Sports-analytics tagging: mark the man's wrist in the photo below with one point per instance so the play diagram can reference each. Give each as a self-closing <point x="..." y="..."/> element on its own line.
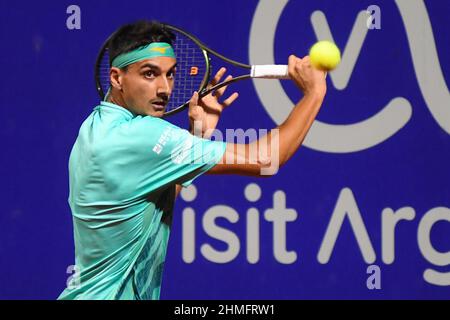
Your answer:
<point x="318" y="88"/>
<point x="316" y="93"/>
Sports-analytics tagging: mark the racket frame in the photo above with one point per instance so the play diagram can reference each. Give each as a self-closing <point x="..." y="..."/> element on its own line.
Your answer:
<point x="202" y="90"/>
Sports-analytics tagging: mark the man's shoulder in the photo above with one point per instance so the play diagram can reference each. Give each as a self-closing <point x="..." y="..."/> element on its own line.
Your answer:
<point x="152" y="127"/>
<point x="150" y="122"/>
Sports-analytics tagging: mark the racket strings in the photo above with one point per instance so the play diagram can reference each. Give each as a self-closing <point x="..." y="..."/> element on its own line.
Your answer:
<point x="191" y="68"/>
<point x="103" y="73"/>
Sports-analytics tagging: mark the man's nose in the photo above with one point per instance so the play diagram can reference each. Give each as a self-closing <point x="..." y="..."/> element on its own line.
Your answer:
<point x="164" y="86"/>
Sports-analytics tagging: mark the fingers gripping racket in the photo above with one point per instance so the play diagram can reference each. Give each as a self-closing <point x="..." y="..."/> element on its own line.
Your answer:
<point x="193" y="70"/>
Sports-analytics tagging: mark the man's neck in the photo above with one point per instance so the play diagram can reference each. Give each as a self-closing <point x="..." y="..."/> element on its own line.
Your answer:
<point x="116" y="99"/>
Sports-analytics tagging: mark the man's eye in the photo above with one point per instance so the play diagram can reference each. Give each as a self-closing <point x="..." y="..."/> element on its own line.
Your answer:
<point x="171" y="74"/>
<point x="149" y="74"/>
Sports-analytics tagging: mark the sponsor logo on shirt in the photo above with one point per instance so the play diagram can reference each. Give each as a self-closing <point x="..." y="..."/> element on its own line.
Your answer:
<point x="162" y="140"/>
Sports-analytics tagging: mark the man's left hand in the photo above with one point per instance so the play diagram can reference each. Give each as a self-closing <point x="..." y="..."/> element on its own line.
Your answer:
<point x="204" y="114"/>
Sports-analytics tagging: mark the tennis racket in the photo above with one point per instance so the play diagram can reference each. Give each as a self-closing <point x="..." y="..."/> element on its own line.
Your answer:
<point x="193" y="70"/>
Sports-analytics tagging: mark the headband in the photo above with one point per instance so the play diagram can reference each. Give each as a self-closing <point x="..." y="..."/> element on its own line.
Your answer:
<point x="152" y="50"/>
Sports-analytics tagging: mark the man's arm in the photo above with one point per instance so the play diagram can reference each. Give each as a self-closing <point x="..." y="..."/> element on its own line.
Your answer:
<point x="264" y="156"/>
<point x="204" y="114"/>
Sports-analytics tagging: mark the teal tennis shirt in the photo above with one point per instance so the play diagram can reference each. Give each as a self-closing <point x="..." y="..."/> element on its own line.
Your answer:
<point x="123" y="170"/>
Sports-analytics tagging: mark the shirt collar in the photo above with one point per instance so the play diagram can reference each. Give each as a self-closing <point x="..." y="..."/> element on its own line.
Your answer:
<point x="128" y="114"/>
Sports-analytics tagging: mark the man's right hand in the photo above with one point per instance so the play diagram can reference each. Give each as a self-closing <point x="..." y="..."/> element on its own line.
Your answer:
<point x="306" y="77"/>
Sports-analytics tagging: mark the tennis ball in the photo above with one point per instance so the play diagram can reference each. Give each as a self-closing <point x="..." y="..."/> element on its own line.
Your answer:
<point x="325" y="55"/>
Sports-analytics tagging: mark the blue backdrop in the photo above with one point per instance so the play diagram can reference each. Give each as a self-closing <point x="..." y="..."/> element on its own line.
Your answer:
<point x="379" y="151"/>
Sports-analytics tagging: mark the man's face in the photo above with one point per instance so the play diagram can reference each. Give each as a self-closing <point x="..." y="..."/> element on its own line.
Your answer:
<point x="147" y="85"/>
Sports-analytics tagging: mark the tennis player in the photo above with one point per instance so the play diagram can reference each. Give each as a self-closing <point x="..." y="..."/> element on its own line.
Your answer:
<point x="128" y="164"/>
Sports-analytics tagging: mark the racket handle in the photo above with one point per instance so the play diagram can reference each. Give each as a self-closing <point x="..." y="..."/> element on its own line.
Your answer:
<point x="273" y="71"/>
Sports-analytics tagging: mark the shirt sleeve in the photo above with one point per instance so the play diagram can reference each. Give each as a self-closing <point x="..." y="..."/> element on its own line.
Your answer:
<point x="148" y="153"/>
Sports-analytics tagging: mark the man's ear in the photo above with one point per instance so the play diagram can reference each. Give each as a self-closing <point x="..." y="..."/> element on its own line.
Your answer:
<point x="115" y="77"/>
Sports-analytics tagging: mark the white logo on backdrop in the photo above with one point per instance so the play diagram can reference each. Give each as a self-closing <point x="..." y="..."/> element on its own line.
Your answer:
<point x="280" y="216"/>
<point x="389" y="120"/>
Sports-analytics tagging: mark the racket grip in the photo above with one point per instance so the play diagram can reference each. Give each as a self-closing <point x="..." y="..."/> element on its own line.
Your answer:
<point x="270" y="71"/>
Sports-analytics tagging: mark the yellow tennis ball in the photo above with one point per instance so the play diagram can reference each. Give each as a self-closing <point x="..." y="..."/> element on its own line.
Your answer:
<point x="325" y="55"/>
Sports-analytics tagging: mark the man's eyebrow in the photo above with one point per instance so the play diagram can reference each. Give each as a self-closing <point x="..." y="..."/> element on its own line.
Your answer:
<point x="153" y="66"/>
<point x="149" y="65"/>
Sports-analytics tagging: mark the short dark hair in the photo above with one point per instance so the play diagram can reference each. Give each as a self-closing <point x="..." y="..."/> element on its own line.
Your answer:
<point x="134" y="35"/>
